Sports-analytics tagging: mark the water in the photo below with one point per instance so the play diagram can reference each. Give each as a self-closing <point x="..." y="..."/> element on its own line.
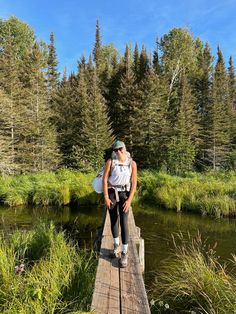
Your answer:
<point x="157" y="227"/>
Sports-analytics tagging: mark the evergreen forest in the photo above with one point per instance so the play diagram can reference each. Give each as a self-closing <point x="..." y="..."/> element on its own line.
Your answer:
<point x="174" y="107"/>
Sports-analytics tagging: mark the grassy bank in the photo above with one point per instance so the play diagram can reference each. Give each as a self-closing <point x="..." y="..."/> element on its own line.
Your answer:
<point x="57" y="276"/>
<point x="211" y="193"/>
<point x="193" y="281"/>
<point x="48" y="188"/>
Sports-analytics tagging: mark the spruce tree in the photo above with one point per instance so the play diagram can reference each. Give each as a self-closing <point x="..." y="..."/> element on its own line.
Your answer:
<point x="37" y="149"/>
<point x="127" y="102"/>
<point x="184" y="139"/>
<point x="52" y="63"/>
<point x="202" y="89"/>
<point x="136" y="61"/>
<point x="7" y="153"/>
<point x="143" y="64"/>
<point x="11" y="87"/>
<point x="152" y="131"/>
<point x="96" y="131"/>
<point x="97" y="51"/>
<point x="218" y="132"/>
<point x="232" y="111"/>
<point x="156" y="61"/>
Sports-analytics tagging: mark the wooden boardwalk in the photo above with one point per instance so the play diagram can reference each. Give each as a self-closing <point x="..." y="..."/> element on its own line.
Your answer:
<point x="119" y="290"/>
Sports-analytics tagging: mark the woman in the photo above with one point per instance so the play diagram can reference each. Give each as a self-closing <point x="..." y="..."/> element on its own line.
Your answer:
<point x="119" y="186"/>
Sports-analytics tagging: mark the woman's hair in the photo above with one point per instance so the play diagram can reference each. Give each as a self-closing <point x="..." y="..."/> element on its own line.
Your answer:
<point x="107" y="153"/>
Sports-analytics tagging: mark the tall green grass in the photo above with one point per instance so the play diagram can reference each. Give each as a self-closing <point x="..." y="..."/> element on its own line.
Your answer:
<point x="208" y="193"/>
<point x="212" y="193"/>
<point x="48" y="188"/>
<point x="58" y="277"/>
<point x="193" y="281"/>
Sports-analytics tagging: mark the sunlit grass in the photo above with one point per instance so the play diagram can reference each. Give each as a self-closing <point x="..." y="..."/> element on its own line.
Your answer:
<point x="207" y="193"/>
<point x="211" y="193"/>
<point x="48" y="188"/>
<point x="58" y="277"/>
<point x="193" y="281"/>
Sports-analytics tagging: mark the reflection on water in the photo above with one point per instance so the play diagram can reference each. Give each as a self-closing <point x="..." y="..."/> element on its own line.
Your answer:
<point x="156" y="225"/>
<point x="82" y="222"/>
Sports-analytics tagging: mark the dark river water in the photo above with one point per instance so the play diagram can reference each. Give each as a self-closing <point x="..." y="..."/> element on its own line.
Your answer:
<point x="157" y="227"/>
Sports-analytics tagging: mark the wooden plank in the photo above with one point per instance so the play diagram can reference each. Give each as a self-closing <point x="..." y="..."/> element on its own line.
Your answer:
<point x="116" y="287"/>
<point x="106" y="296"/>
<point x="133" y="294"/>
<point x="132" y="227"/>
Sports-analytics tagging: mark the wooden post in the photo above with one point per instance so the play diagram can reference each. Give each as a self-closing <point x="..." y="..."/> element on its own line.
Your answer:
<point x="140" y="248"/>
<point x="141" y="254"/>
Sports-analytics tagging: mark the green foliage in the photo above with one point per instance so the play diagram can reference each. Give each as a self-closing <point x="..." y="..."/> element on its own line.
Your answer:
<point x="181" y="155"/>
<point x="209" y="193"/>
<point x="58" y="276"/>
<point x="47" y="188"/>
<point x="155" y="104"/>
<point x="194" y="281"/>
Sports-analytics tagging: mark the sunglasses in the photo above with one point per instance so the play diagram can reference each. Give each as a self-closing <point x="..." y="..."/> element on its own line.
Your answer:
<point x="116" y="149"/>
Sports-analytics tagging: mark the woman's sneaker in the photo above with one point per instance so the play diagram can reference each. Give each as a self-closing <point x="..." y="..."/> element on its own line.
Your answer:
<point x="115" y="252"/>
<point x="123" y="261"/>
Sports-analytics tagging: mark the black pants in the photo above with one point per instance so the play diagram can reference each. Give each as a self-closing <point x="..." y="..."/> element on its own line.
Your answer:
<point x="115" y="211"/>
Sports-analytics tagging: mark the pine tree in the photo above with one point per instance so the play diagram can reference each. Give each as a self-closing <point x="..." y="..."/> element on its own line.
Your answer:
<point x="127" y="103"/>
<point x="232" y="110"/>
<point x="97" y="51"/>
<point x="218" y="133"/>
<point x="188" y="109"/>
<point x="37" y="149"/>
<point x="184" y="140"/>
<point x="136" y="61"/>
<point x="78" y="111"/>
<point x="156" y="61"/>
<point x="152" y="131"/>
<point x="202" y="89"/>
<point x="52" y="72"/>
<point x="96" y="130"/>
<point x="62" y="117"/>
<point x="143" y="64"/>
<point x="11" y="88"/>
<point x="7" y="154"/>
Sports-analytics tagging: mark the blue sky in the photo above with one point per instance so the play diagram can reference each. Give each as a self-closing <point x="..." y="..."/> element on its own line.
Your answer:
<point x="125" y="21"/>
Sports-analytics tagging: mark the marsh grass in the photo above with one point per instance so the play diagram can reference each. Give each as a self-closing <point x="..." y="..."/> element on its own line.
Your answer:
<point x="58" y="188"/>
<point x="193" y="280"/>
<point x="208" y="193"/>
<point x="58" y="278"/>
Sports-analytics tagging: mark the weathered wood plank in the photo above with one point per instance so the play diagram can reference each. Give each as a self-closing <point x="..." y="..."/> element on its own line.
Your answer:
<point x="119" y="290"/>
<point x="132" y="227"/>
<point x="106" y="296"/>
<point x="133" y="294"/>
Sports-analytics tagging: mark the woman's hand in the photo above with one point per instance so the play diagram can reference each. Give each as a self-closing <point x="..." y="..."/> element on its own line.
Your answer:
<point x="108" y="202"/>
<point x="126" y="206"/>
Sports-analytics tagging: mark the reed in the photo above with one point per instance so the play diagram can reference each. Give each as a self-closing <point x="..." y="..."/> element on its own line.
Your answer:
<point x="58" y="276"/>
<point x="193" y="281"/>
<point x="208" y="193"/>
<point x="58" y="188"/>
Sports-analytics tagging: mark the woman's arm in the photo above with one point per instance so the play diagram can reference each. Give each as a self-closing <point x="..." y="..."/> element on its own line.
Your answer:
<point x="127" y="204"/>
<point x="108" y="202"/>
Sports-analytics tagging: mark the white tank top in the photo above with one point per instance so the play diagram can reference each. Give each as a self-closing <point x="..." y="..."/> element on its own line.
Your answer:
<point x="121" y="173"/>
